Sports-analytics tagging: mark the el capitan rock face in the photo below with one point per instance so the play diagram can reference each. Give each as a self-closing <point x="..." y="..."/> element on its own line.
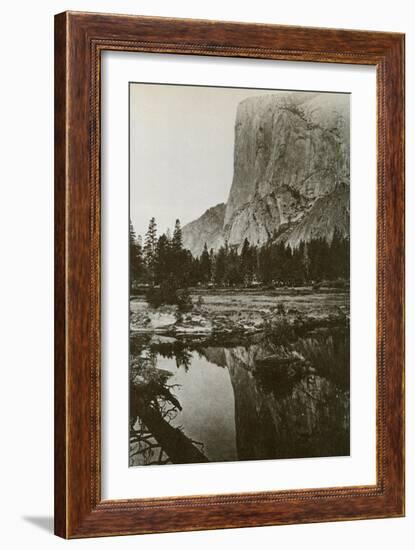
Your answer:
<point x="291" y="173"/>
<point x="274" y="415"/>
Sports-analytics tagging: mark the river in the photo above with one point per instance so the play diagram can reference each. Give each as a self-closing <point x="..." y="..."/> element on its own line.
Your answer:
<point x="273" y="398"/>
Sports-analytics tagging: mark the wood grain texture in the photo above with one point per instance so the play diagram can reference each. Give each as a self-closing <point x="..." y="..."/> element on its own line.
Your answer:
<point x="79" y="40"/>
<point x="60" y="277"/>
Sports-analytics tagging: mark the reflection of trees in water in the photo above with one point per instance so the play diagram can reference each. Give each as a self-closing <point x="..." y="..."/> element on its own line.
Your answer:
<point x="153" y="408"/>
<point x="177" y="350"/>
<point x="291" y="398"/>
<point x="278" y="367"/>
<point x="143" y="446"/>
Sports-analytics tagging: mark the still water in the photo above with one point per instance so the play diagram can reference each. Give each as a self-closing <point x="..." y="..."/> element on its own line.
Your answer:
<point x="267" y="400"/>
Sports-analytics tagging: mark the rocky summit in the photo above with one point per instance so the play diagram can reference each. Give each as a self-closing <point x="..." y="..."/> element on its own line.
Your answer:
<point x="291" y="174"/>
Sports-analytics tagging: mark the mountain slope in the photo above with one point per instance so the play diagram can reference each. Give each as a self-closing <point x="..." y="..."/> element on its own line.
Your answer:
<point x="329" y="213"/>
<point x="206" y="229"/>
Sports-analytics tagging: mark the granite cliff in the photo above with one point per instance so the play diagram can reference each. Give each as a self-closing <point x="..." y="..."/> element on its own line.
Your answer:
<point x="291" y="173"/>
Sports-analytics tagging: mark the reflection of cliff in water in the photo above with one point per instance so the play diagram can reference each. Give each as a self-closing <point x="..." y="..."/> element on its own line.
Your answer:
<point x="289" y="399"/>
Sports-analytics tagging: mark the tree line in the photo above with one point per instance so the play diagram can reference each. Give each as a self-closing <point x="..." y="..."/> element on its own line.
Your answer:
<point x="162" y="260"/>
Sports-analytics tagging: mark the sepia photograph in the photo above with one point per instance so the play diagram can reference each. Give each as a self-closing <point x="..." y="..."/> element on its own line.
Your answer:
<point x="239" y="274"/>
<point x="229" y="273"/>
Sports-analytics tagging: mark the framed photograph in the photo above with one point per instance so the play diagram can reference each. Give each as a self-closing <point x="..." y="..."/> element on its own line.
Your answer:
<point x="229" y="275"/>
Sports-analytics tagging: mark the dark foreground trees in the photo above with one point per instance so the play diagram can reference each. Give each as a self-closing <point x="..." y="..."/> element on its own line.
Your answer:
<point x="164" y="265"/>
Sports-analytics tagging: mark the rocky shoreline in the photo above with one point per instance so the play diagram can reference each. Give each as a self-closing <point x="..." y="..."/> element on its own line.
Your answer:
<point x="225" y="318"/>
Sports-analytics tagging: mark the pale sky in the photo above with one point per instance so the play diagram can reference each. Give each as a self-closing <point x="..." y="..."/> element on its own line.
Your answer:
<point x="181" y="150"/>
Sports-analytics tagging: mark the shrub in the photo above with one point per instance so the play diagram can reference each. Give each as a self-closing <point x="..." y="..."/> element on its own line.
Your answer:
<point x="281" y="309"/>
<point x="168" y="294"/>
<point x="164" y="294"/>
<point x="183" y="299"/>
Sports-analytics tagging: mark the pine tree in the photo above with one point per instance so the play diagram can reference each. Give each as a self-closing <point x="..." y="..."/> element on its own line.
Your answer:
<point x="177" y="257"/>
<point x="346" y="258"/>
<point x="141" y="266"/>
<point x="247" y="263"/>
<point x="205" y="265"/>
<point x="212" y="258"/>
<point x="265" y="264"/>
<point x="234" y="274"/>
<point x="162" y="263"/>
<point x="336" y="260"/>
<point x="150" y="248"/>
<point x="297" y="265"/>
<point x="136" y="257"/>
<point x="306" y="260"/>
<point x="177" y="241"/>
<point x="220" y="266"/>
<point x="186" y="261"/>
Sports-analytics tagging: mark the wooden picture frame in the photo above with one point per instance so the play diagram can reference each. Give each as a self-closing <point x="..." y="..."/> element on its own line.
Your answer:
<point x="79" y="40"/>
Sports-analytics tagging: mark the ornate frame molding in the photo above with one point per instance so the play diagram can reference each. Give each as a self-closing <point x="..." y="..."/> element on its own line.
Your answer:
<point x="79" y="40"/>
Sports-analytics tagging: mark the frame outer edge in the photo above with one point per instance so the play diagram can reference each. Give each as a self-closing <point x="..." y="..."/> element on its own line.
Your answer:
<point x="403" y="293"/>
<point x="76" y="512"/>
<point x="60" y="294"/>
<point x="396" y="269"/>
